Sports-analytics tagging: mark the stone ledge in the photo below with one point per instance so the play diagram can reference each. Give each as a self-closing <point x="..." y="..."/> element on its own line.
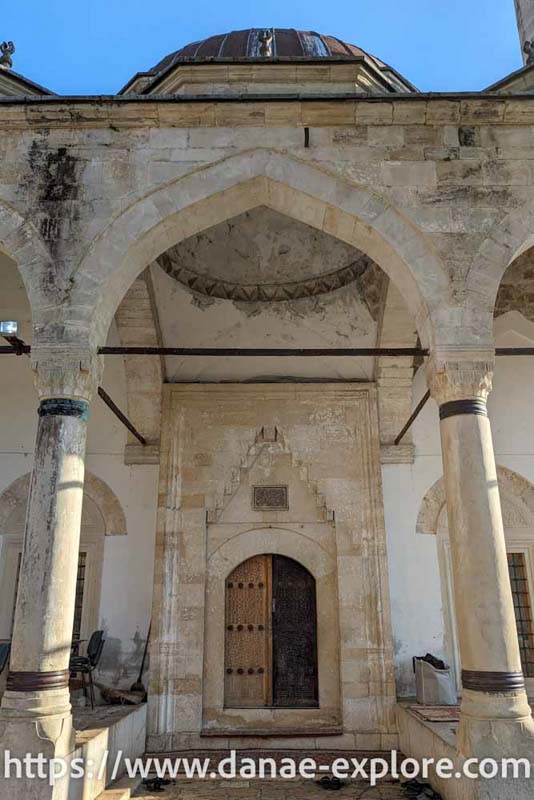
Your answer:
<point x="135" y="454"/>
<point x="397" y="454"/>
<point x="268" y="111"/>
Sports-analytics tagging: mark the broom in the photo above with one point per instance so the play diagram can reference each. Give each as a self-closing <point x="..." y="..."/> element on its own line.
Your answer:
<point x="139" y="686"/>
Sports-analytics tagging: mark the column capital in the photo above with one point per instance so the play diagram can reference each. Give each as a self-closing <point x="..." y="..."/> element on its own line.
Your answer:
<point x="66" y="370"/>
<point x="460" y="375"/>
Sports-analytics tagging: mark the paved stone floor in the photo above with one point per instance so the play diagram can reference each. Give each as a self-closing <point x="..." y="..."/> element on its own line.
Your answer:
<point x="184" y="789"/>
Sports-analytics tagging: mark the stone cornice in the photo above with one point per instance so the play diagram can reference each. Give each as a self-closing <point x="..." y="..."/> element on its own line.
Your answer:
<point x="270" y="111"/>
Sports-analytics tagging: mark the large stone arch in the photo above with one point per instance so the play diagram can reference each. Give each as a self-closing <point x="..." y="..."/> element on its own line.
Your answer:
<point x="96" y="489"/>
<point x="517" y="497"/>
<point x="212" y="194"/>
<point x="20" y="241"/>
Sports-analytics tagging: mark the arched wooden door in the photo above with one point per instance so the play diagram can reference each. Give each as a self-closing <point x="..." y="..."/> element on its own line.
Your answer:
<point x="271" y="635"/>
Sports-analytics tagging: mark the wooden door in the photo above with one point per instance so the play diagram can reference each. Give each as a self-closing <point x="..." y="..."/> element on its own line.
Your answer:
<point x="271" y="635"/>
<point x="248" y="635"/>
<point x="294" y="627"/>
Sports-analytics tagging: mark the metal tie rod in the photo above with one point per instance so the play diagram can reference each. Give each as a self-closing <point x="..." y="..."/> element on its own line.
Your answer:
<point x="276" y="352"/>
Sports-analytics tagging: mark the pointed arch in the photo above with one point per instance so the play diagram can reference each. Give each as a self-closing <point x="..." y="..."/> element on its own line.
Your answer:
<point x="211" y="194"/>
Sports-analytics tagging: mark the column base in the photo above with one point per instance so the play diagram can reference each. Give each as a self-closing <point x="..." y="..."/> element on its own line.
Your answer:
<point x="35" y="724"/>
<point x="496" y="726"/>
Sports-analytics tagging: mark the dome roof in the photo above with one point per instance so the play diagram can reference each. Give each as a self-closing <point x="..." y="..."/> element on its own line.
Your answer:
<point x="267" y="45"/>
<point x="282" y="43"/>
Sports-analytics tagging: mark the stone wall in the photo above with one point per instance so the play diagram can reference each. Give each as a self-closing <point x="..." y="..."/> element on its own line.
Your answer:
<point x="323" y="443"/>
<point x="455" y="172"/>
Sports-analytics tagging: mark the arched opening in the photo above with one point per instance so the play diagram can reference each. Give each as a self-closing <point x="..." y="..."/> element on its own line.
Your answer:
<point x="517" y="501"/>
<point x="514" y="305"/>
<point x="18" y="394"/>
<point x="102" y="515"/>
<point x="241" y="183"/>
<point x="89" y="576"/>
<point x="271" y="635"/>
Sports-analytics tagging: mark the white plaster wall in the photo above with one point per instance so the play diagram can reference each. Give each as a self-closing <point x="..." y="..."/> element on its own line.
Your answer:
<point x="415" y="590"/>
<point x="417" y="613"/>
<point x="126" y="593"/>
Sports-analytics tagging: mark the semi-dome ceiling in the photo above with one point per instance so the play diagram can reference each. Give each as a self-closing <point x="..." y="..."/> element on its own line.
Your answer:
<point x="262" y="255"/>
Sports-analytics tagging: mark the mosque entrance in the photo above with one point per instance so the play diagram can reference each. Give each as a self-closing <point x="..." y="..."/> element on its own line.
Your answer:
<point x="271" y="635"/>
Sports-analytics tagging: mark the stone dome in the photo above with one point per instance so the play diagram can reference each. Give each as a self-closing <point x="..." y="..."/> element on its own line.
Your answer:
<point x="278" y="46"/>
<point x="285" y="43"/>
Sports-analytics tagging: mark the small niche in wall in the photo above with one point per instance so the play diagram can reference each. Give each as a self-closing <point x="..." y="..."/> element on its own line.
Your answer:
<point x="270" y="498"/>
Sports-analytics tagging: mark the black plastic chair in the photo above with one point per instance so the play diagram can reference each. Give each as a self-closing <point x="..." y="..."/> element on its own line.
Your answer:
<point x="87" y="664"/>
<point x="5" y="650"/>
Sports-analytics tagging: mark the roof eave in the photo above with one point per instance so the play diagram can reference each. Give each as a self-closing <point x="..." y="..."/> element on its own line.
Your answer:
<point x="364" y="59"/>
<point x="509" y="78"/>
<point x="36" y="88"/>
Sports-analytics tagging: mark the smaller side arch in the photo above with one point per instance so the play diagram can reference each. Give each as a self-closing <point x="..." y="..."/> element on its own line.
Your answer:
<point x="95" y="488"/>
<point x="513" y="486"/>
<point x="432" y="503"/>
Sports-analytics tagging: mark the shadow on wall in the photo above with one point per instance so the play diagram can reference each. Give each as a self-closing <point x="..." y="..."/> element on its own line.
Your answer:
<point x="121" y="660"/>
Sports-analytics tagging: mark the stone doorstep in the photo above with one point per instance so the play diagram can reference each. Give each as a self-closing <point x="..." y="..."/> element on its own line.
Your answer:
<point x="319" y="756"/>
<point x="268" y="789"/>
<point x="269" y="733"/>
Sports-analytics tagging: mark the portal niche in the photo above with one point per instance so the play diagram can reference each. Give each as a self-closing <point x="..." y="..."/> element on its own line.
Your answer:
<point x="271" y="635"/>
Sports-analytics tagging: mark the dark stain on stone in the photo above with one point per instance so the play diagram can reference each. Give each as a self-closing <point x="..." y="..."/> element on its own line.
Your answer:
<point x="55" y="171"/>
<point x="467" y="136"/>
<point x="492" y="197"/>
<point x="54" y="179"/>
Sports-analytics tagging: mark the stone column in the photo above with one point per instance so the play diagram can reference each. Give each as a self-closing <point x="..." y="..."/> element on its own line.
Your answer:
<point x="35" y="716"/>
<point x="495" y="713"/>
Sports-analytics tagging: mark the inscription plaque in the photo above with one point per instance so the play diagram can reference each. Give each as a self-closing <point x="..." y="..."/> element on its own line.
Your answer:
<point x="270" y="498"/>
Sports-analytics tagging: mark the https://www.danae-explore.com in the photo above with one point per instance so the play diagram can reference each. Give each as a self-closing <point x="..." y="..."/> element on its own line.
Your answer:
<point x="238" y="766"/>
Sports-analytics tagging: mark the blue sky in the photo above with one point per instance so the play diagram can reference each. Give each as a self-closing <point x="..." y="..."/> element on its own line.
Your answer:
<point x="94" y="47"/>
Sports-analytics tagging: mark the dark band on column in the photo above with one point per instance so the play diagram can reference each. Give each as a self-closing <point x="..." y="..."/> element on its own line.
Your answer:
<point x="455" y="407"/>
<point x="493" y="682"/>
<point x="64" y="407"/>
<point x="37" y="681"/>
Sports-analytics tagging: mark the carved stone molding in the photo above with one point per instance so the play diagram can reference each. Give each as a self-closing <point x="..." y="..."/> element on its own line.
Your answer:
<point x="263" y="292"/>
